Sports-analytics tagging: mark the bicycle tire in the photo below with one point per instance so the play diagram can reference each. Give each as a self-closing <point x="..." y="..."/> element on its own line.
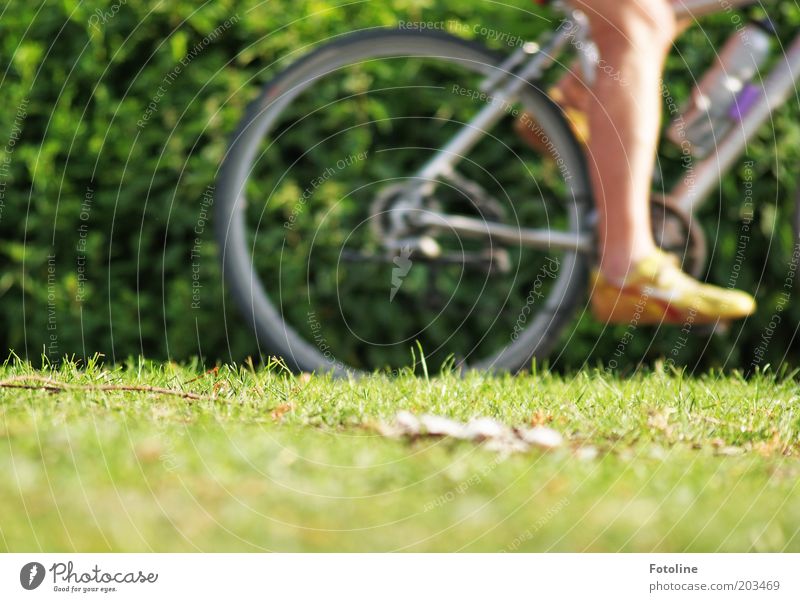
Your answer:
<point x="273" y="334"/>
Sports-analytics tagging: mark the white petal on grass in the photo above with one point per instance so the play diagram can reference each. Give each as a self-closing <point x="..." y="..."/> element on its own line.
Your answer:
<point x="389" y="430"/>
<point x="407" y="422"/>
<point x="586" y="454"/>
<point x="506" y="446"/>
<point x="442" y="427"/>
<point x="480" y="429"/>
<point x="494" y="435"/>
<point x="730" y="451"/>
<point x="542" y="436"/>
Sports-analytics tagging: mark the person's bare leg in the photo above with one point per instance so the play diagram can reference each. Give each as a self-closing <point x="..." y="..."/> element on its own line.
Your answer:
<point x="574" y="93"/>
<point x="633" y="39"/>
<point x="635" y="283"/>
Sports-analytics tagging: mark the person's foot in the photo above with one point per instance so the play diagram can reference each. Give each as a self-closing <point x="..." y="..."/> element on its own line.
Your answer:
<point x="532" y="134"/>
<point x="656" y="291"/>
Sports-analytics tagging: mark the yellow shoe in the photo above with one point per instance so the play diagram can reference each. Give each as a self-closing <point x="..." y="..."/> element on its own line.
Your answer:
<point x="531" y="132"/>
<point x="578" y="119"/>
<point x="657" y="291"/>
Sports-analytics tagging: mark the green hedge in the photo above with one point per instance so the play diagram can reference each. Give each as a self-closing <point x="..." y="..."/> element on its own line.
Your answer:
<point x="116" y="116"/>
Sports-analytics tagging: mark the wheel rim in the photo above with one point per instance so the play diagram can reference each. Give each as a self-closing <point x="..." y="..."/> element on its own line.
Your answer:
<point x="364" y="324"/>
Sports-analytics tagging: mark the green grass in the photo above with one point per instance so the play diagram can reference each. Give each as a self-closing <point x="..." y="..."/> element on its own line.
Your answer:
<point x="284" y="463"/>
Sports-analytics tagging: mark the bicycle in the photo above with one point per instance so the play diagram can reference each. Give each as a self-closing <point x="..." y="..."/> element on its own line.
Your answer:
<point x="482" y="266"/>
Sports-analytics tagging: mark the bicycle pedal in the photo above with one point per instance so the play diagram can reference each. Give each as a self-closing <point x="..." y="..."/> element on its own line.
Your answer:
<point x="498" y="261"/>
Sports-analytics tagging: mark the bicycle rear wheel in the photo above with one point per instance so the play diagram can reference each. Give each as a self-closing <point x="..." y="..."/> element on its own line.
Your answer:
<point x="305" y="190"/>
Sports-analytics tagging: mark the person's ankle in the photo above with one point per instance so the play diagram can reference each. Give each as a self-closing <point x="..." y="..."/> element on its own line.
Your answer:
<point x="616" y="268"/>
<point x="614" y="272"/>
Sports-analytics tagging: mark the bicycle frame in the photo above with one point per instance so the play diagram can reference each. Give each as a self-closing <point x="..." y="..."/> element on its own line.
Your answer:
<point x="777" y="88"/>
<point x="529" y="62"/>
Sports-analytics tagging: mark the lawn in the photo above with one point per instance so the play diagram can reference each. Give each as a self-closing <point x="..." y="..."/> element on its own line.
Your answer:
<point x="258" y="459"/>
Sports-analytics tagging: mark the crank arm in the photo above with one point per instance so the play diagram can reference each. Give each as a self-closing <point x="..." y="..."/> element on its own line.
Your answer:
<point x="497" y="260"/>
<point x="534" y="238"/>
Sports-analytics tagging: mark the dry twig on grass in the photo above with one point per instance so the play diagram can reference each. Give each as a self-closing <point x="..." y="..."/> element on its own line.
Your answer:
<point x="54" y="386"/>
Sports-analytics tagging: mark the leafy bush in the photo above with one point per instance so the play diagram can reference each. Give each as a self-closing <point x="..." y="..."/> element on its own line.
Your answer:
<point x="116" y="118"/>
